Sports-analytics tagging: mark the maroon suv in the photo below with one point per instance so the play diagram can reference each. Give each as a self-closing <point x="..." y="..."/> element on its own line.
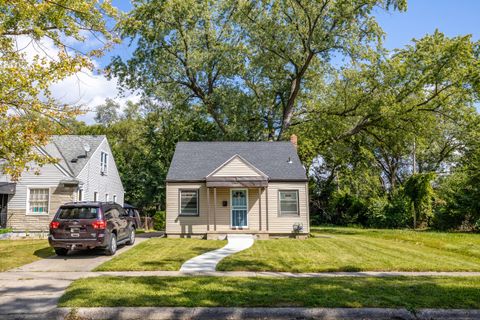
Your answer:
<point x="89" y="225"/>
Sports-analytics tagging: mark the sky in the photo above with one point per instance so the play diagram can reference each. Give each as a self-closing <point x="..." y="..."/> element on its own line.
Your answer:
<point x="452" y="17"/>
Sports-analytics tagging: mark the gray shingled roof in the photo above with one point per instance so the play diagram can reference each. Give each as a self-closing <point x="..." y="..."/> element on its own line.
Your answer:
<point x="68" y="147"/>
<point x="193" y="161"/>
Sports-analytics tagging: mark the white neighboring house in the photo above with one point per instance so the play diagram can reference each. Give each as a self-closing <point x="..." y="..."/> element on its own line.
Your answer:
<point x="85" y="171"/>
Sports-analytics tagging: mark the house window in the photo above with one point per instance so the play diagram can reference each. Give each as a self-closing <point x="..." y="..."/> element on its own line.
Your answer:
<point x="95" y="196"/>
<point x="189" y="202"/>
<point x="114" y="198"/>
<point x="38" y="200"/>
<point x="107" y="197"/>
<point x="103" y="162"/>
<point x="80" y="194"/>
<point x="288" y="202"/>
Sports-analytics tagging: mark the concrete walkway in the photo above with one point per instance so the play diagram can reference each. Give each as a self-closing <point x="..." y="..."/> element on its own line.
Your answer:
<point x="36" y="287"/>
<point x="207" y="262"/>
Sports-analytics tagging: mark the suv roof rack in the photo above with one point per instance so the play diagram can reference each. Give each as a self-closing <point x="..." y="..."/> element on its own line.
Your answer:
<point x="90" y="202"/>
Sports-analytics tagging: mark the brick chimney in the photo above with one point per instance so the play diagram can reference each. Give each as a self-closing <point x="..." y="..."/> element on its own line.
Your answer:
<point x="294" y="140"/>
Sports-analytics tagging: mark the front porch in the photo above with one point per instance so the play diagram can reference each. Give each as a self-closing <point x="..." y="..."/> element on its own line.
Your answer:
<point x="235" y="208"/>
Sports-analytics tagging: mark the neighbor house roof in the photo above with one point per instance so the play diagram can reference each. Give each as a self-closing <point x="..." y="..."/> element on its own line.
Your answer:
<point x="69" y="147"/>
<point x="193" y="161"/>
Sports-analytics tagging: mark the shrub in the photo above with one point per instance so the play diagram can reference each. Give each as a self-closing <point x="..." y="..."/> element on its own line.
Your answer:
<point x="384" y="212"/>
<point x="418" y="189"/>
<point x="455" y="204"/>
<point x="346" y="209"/>
<point x="7" y="230"/>
<point x="377" y="212"/>
<point x="159" y="220"/>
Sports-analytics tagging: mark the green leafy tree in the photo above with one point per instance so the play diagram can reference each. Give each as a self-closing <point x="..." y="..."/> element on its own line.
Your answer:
<point x="419" y="190"/>
<point x="246" y="64"/>
<point x="107" y="113"/>
<point x="458" y="204"/>
<point x="373" y="117"/>
<point x="28" y="112"/>
<point x="424" y="83"/>
<point x="143" y="142"/>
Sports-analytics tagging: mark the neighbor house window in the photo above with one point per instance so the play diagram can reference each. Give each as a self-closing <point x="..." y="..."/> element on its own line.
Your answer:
<point x="288" y="202"/>
<point x="107" y="197"/>
<point x="38" y="200"/>
<point x="103" y="162"/>
<point x="95" y="196"/>
<point x="80" y="194"/>
<point x="189" y="202"/>
<point x="114" y="198"/>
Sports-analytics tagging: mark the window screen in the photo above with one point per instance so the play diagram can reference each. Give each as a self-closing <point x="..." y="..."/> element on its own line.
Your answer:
<point x="189" y="202"/>
<point x="38" y="200"/>
<point x="103" y="162"/>
<point x="288" y="202"/>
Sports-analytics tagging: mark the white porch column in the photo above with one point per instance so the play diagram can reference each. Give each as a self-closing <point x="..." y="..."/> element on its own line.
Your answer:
<point x="208" y="209"/>
<point x="266" y="207"/>
<point x="260" y="209"/>
<point x="215" y="209"/>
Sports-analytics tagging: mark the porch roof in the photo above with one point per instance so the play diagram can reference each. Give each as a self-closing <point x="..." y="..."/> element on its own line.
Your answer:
<point x="7" y="187"/>
<point x="231" y="182"/>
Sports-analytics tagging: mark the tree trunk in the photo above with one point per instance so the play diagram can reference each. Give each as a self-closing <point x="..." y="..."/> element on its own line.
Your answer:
<point x="294" y="90"/>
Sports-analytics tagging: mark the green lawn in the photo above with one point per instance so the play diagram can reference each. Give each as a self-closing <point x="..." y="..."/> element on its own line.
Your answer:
<point x="15" y="253"/>
<point x="351" y="249"/>
<point x="422" y="292"/>
<point x="160" y="254"/>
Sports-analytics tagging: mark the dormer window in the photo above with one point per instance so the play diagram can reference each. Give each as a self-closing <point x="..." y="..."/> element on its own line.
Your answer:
<point x="103" y="162"/>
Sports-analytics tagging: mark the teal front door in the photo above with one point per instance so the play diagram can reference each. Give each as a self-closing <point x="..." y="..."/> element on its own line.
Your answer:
<point x="239" y="201"/>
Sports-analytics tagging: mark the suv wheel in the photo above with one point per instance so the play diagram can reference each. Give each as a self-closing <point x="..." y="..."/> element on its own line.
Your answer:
<point x="131" y="237"/>
<point x="112" y="245"/>
<point x="61" y="251"/>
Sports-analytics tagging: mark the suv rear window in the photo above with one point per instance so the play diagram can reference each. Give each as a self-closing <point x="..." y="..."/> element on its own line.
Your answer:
<point x="78" y="213"/>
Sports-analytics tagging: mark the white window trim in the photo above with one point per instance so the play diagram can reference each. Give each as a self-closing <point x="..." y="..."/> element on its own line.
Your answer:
<point x="231" y="208"/>
<point x="27" y="209"/>
<point x="280" y="214"/>
<point x="81" y="192"/>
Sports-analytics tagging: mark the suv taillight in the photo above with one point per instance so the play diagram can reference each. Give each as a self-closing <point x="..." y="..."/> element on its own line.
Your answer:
<point x="99" y="224"/>
<point x="54" y="225"/>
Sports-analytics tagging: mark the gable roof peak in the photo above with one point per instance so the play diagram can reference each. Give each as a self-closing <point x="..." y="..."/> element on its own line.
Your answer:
<point x="72" y="149"/>
<point x="237" y="156"/>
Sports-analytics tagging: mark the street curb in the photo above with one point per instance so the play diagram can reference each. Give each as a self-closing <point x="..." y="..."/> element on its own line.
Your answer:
<point x="147" y="313"/>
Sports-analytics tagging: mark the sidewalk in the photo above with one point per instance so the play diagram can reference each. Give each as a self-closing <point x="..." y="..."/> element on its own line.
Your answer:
<point x="29" y="289"/>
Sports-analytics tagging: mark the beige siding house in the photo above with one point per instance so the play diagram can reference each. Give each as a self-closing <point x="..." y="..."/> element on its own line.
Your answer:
<point x="220" y="188"/>
<point x="85" y="171"/>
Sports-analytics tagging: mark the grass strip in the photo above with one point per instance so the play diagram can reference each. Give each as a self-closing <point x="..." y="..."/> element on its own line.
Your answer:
<point x="15" y="253"/>
<point x="408" y="292"/>
<point x="160" y="254"/>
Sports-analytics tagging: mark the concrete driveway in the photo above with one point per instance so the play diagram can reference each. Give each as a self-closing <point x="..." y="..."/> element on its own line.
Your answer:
<point x="34" y="289"/>
<point x="75" y="261"/>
